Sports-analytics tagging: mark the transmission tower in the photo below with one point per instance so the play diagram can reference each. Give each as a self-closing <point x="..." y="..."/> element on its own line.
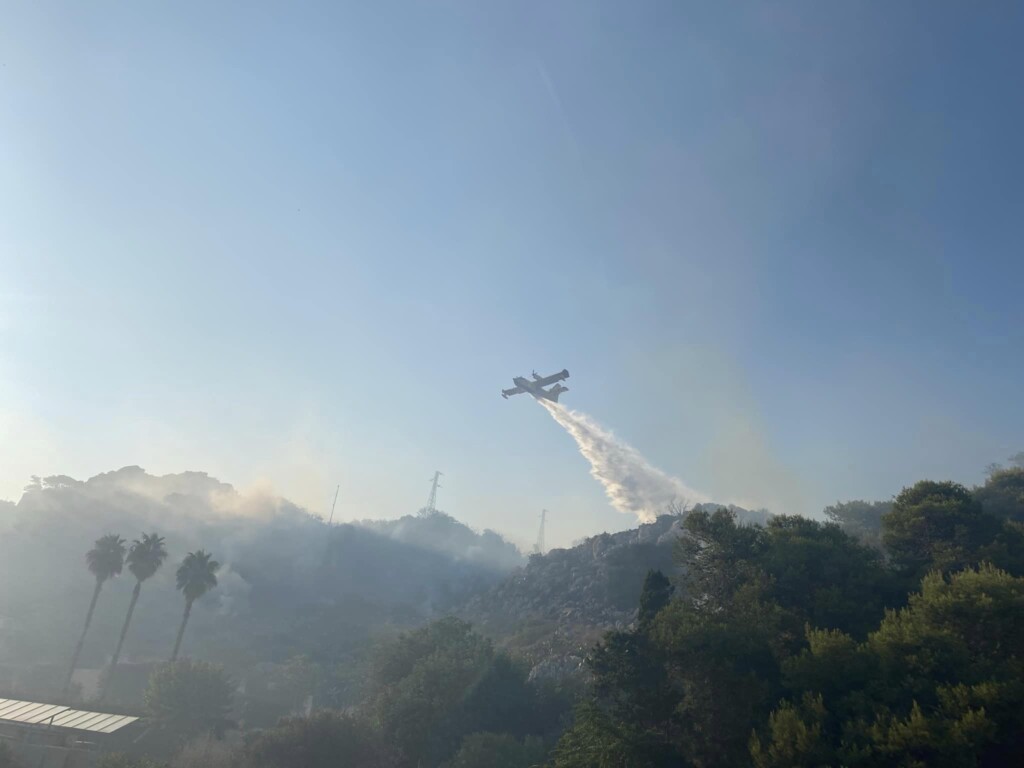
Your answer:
<point x="330" y="520"/>
<point x="435" y="483"/>
<point x="329" y="548"/>
<point x="538" y="548"/>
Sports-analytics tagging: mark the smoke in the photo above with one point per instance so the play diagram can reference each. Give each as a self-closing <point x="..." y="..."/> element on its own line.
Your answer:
<point x="631" y="483"/>
<point x="279" y="566"/>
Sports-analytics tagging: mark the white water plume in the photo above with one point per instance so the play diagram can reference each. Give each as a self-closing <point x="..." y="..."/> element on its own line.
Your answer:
<point x="631" y="483"/>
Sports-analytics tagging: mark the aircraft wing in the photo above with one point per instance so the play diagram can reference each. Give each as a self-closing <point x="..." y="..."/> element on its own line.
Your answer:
<point x="543" y="382"/>
<point x="513" y="391"/>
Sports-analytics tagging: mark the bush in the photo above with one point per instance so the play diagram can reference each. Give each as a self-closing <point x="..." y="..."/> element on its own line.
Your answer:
<point x="190" y="697"/>
<point x="206" y="752"/>
<point x="326" y="739"/>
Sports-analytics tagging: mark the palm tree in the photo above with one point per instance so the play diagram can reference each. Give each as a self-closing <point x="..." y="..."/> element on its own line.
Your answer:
<point x="197" y="574"/>
<point x="105" y="561"/>
<point x="145" y="556"/>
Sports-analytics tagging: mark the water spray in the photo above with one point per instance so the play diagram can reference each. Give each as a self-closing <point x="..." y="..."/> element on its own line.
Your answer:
<point x="630" y="482"/>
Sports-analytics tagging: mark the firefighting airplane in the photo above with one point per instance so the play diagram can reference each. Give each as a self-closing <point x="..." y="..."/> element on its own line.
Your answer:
<point x="536" y="387"/>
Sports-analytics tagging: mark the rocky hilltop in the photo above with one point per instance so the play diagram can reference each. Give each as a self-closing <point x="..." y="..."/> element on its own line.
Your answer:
<point x="553" y="608"/>
<point x="557" y="605"/>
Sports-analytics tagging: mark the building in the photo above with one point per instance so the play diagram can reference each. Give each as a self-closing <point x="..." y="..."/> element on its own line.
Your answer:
<point x="56" y="736"/>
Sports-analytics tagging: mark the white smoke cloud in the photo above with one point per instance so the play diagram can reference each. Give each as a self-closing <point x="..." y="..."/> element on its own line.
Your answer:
<point x="232" y="592"/>
<point x="631" y="483"/>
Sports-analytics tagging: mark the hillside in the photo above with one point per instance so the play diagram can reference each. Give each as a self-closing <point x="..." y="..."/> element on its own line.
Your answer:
<point x="552" y="609"/>
<point x="288" y="583"/>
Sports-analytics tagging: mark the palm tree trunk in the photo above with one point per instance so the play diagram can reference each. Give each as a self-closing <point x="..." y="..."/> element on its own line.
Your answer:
<point x="81" y="640"/>
<point x="120" y="640"/>
<point x="181" y="630"/>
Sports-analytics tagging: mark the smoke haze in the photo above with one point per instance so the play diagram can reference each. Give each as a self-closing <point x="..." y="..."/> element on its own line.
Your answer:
<point x="630" y="482"/>
<point x="280" y="567"/>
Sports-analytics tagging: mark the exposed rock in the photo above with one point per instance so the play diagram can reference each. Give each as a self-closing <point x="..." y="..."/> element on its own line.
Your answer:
<point x="552" y="610"/>
<point x="557" y="668"/>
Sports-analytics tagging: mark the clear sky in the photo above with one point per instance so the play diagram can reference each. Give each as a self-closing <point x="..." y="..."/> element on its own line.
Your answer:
<point x="777" y="245"/>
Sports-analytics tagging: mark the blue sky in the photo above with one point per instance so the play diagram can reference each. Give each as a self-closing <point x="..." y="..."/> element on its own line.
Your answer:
<point x="298" y="245"/>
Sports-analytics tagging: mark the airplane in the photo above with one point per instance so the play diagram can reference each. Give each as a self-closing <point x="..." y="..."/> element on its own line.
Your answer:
<point x="536" y="387"/>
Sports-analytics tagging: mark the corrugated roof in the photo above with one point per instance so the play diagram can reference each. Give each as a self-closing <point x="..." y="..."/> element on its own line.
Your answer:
<point x="58" y="716"/>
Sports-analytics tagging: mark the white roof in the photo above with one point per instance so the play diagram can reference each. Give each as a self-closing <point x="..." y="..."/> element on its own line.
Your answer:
<point x="59" y="716"/>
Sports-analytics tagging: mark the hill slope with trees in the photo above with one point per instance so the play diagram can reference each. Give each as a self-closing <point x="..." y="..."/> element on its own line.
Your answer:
<point x="888" y="635"/>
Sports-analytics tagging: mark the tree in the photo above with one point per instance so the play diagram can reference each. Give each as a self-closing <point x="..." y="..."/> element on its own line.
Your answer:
<point x="942" y="526"/>
<point x="497" y="750"/>
<point x="683" y="688"/>
<point x="861" y="519"/>
<point x="597" y="740"/>
<point x="795" y="737"/>
<point x="196" y="576"/>
<point x="105" y="561"/>
<point x="719" y="555"/>
<point x="145" y="556"/>
<point x="1002" y="494"/>
<point x="725" y="666"/>
<point x="190" y="697"/>
<point x="325" y="739"/>
<point x="433" y="686"/>
<point x="814" y="571"/>
<point x="939" y="683"/>
<point x="296" y="680"/>
<point x="700" y="670"/>
<point x="207" y="751"/>
<point x="281" y="691"/>
<point x="823" y="576"/>
<point x="656" y="594"/>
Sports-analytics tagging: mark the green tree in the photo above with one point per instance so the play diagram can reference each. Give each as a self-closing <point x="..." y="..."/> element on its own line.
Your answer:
<point x="719" y="555"/>
<point x="685" y="689"/>
<point x="433" y="686"/>
<point x="702" y="670"/>
<point x="630" y="683"/>
<point x="656" y="594"/>
<point x="597" y="740"/>
<point x="190" y="697"/>
<point x="725" y="665"/>
<point x="940" y="683"/>
<point x="942" y="526"/>
<point x="795" y="737"/>
<point x="860" y="519"/>
<point x="326" y="739"/>
<point x="825" y="577"/>
<point x="1002" y="494"/>
<point x="145" y="556"/>
<point x="196" y="576"/>
<point x="105" y="561"/>
<point x="814" y="571"/>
